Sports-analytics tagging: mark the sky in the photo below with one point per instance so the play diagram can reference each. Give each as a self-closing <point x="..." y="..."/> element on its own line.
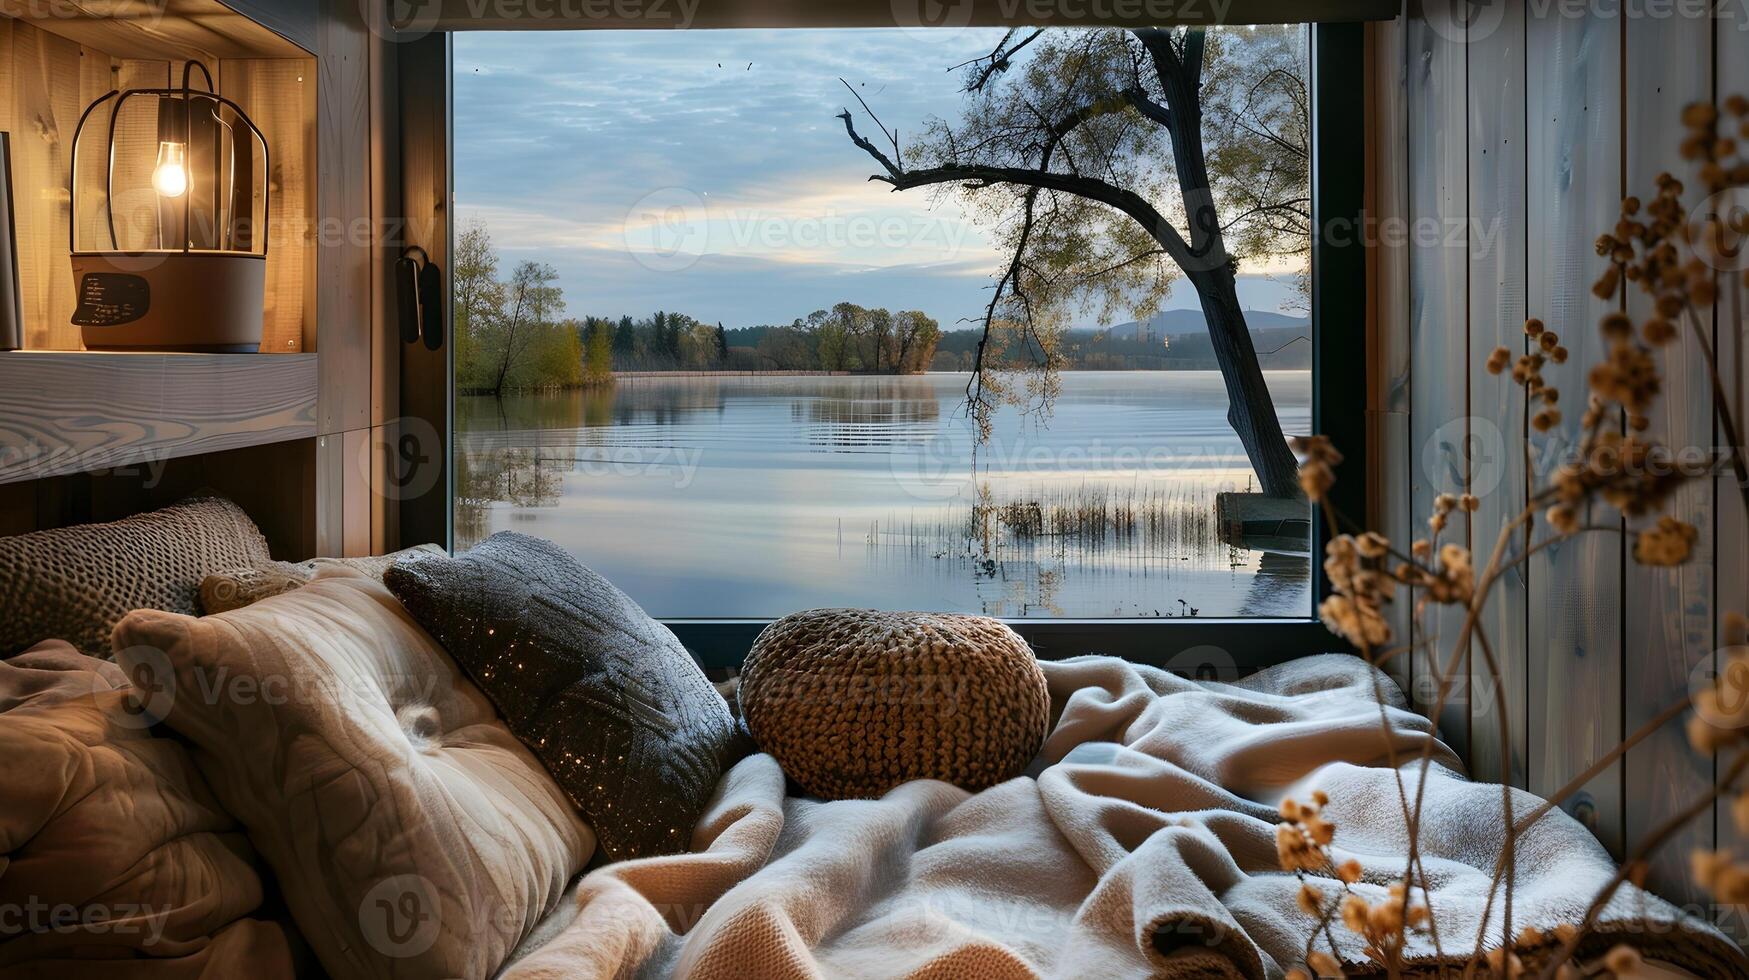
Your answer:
<point x="707" y="173"/>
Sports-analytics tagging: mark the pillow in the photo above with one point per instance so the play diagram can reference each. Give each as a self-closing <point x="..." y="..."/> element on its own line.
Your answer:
<point x="74" y="583"/>
<point x="602" y="693"/>
<point x="411" y="834"/>
<point x="852" y="702"/>
<point x="234" y="588"/>
<point x="111" y="844"/>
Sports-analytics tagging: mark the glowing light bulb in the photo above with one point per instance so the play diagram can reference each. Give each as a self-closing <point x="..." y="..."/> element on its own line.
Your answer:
<point x="170" y="176"/>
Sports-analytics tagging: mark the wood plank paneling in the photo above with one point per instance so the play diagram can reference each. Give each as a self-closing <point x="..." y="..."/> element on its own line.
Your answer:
<point x="154" y="407"/>
<point x="98" y="74"/>
<point x="294" y="20"/>
<point x="44" y="93"/>
<point x="386" y="208"/>
<point x="1731" y="582"/>
<point x="1438" y="315"/>
<point x="343" y="260"/>
<point x="1595" y="97"/>
<point x="1498" y="229"/>
<point x="1389" y="398"/>
<point x="424" y="496"/>
<point x="1669" y="625"/>
<point x="280" y="97"/>
<point x="160" y="30"/>
<point x="1573" y="190"/>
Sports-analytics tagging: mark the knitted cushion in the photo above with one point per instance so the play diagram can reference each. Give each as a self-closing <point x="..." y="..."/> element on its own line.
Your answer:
<point x="75" y="583"/>
<point x="235" y="588"/>
<point x="604" y="696"/>
<point x="852" y="702"/>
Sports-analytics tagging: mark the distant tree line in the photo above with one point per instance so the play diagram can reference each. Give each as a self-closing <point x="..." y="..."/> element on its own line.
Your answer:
<point x="512" y="334"/>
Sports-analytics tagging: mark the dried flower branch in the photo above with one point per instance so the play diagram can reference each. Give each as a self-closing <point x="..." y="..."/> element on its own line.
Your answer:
<point x="1674" y="257"/>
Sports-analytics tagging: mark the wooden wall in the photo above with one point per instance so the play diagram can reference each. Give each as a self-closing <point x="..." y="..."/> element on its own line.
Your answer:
<point x="1501" y="149"/>
<point x="331" y="119"/>
<point x="47" y="80"/>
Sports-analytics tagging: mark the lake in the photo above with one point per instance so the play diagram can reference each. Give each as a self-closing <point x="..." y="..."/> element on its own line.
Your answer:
<point x="756" y="496"/>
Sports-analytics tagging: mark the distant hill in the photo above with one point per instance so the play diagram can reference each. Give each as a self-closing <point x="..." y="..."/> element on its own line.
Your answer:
<point x="1171" y="340"/>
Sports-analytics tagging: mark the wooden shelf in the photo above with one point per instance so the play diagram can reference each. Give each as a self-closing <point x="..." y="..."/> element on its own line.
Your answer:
<point x="78" y="411"/>
<point x="171" y="30"/>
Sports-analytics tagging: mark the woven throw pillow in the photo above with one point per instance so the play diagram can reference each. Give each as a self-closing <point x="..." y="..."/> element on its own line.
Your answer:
<point x="74" y="583"/>
<point x="603" y="694"/>
<point x="852" y="702"/>
<point x="410" y="833"/>
<point x="235" y="588"/>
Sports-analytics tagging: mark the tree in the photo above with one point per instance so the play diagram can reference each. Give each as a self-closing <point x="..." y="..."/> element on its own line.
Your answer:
<point x="532" y="301"/>
<point x="698" y="346"/>
<point x="625" y="339"/>
<point x="915" y="336"/>
<point x="598" y="353"/>
<point x="1084" y="158"/>
<point x="722" y="344"/>
<point x="478" y="298"/>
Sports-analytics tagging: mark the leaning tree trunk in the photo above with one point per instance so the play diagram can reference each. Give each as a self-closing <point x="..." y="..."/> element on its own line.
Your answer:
<point x="1251" y="410"/>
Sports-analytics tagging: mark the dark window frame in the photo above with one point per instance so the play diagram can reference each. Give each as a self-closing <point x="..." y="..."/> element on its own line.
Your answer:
<point x="1231" y="647"/>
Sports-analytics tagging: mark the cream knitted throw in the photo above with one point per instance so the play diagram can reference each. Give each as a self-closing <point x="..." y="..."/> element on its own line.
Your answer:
<point x="1141" y="843"/>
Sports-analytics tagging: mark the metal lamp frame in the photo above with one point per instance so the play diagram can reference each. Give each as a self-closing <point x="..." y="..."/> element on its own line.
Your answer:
<point x="187" y="93"/>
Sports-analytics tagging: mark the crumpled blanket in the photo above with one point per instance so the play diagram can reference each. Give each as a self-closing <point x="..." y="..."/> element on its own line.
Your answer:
<point x="1140" y="843"/>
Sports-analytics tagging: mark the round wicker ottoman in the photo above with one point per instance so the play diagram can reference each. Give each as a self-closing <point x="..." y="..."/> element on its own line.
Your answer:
<point x="852" y="702"/>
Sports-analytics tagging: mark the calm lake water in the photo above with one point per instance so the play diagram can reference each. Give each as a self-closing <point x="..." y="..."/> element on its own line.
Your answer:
<point x="760" y="496"/>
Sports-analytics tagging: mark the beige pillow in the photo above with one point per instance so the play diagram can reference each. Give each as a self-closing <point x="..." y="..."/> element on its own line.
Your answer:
<point x="73" y="583"/>
<point x="111" y="844"/>
<point x="234" y="588"/>
<point x="412" y="835"/>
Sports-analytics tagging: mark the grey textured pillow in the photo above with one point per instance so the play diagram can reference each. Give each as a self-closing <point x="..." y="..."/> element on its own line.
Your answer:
<point x="76" y="583"/>
<point x="603" y="695"/>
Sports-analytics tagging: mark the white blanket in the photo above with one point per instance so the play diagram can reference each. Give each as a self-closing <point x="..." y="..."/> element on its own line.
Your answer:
<point x="1140" y="843"/>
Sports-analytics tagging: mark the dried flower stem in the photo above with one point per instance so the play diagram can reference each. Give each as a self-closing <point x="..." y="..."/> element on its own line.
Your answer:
<point x="1649" y="844"/>
<point x="1509" y="865"/>
<point x="1721" y="405"/>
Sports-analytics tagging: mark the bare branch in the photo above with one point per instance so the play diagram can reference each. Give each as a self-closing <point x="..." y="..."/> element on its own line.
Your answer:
<point x="997" y="61"/>
<point x="980" y="176"/>
<point x="893" y="136"/>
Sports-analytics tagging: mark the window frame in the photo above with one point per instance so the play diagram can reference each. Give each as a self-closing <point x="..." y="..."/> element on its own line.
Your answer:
<point x="1212" y="647"/>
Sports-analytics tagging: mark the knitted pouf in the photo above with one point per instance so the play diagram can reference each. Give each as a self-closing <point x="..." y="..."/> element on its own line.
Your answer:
<point x="852" y="702"/>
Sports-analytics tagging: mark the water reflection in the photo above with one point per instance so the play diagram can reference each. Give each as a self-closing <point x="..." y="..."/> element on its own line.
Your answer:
<point x="757" y="496"/>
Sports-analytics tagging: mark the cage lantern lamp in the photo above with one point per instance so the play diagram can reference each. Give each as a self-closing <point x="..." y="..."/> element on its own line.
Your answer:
<point x="172" y="254"/>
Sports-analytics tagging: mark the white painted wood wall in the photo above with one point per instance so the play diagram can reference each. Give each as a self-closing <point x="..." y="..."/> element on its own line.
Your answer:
<point x="1504" y="146"/>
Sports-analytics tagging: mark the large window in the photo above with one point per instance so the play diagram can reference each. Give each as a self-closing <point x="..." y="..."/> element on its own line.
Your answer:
<point x="699" y="347"/>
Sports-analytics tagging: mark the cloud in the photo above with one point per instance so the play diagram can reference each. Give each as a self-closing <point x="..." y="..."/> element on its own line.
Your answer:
<point x="589" y="150"/>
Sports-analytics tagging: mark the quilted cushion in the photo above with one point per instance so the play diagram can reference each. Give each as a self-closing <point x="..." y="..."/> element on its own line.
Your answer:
<point x="852" y="702"/>
<point x="411" y="834"/>
<point x="74" y="583"/>
<point x="111" y="844"/>
<point x="603" y="694"/>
